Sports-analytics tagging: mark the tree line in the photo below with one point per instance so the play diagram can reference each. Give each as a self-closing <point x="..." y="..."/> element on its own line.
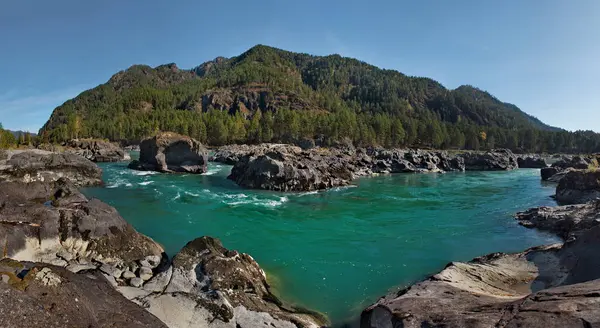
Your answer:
<point x="217" y="127"/>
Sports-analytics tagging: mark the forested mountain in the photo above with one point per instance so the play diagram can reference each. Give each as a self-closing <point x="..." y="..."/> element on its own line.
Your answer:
<point x="267" y="94"/>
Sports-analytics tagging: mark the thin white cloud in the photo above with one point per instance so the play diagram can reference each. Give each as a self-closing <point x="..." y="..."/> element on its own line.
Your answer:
<point x="27" y="110"/>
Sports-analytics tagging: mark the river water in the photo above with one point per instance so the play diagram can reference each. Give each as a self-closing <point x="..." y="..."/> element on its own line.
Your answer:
<point x="336" y="251"/>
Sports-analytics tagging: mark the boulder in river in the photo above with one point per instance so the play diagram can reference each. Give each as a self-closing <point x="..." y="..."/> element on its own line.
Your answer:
<point x="531" y="162"/>
<point x="97" y="150"/>
<point x="208" y="285"/>
<point x="231" y="154"/>
<point x="578" y="186"/>
<point x="495" y="160"/>
<point x="171" y="152"/>
<point x="290" y="169"/>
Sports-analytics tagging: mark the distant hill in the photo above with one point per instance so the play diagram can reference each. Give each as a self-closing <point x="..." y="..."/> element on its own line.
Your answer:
<point x="268" y="94"/>
<point x="19" y="132"/>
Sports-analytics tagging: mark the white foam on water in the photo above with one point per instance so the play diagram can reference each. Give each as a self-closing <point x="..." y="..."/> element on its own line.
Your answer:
<point x="212" y="171"/>
<point x="177" y="197"/>
<point x="128" y="185"/>
<point x="144" y="173"/>
<point x="145" y="183"/>
<point x="314" y="192"/>
<point x="192" y="194"/>
<point x="245" y="200"/>
<point x="342" y="188"/>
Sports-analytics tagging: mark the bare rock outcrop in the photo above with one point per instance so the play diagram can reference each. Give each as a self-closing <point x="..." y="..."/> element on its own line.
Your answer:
<point x="495" y="160"/>
<point x="44" y="166"/>
<point x="566" y="221"/>
<point x="42" y="295"/>
<point x="208" y="285"/>
<point x="578" y="187"/>
<point x="549" y="286"/>
<point x="97" y="150"/>
<point x="171" y="152"/>
<point x="532" y="161"/>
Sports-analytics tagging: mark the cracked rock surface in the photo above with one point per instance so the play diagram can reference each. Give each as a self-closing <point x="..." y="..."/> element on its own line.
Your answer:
<point x="545" y="287"/>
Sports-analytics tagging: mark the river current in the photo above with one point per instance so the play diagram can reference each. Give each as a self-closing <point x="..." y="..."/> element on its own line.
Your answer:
<point x="336" y="251"/>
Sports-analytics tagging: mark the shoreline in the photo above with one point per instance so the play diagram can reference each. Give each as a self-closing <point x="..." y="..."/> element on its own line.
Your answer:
<point x="482" y="259"/>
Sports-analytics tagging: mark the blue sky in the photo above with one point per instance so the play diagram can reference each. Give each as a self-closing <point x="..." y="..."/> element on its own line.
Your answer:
<point x="541" y="55"/>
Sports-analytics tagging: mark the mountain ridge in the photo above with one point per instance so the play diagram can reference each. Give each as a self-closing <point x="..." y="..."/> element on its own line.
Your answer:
<point x="277" y="81"/>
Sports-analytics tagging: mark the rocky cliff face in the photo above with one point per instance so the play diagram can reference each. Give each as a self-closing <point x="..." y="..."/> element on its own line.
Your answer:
<point x="171" y="152"/>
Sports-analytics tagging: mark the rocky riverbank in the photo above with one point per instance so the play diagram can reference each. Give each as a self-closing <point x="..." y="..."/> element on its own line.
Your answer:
<point x="547" y="286"/>
<point x="59" y="245"/>
<point x="291" y="168"/>
<point x="97" y="150"/>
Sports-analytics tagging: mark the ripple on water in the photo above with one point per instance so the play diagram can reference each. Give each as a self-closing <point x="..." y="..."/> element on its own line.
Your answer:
<point x="336" y="251"/>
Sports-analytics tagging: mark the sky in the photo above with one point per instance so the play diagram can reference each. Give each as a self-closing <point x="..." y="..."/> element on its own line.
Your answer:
<point x="541" y="55"/>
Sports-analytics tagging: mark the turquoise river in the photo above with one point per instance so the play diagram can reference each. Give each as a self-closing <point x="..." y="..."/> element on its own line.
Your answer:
<point x="336" y="251"/>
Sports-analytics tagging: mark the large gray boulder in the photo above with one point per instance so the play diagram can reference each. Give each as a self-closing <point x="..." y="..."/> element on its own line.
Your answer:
<point x="531" y="162"/>
<point x="44" y="166"/>
<point x="292" y="169"/>
<point x="41" y="295"/>
<point x="495" y="160"/>
<point x="578" y="187"/>
<point x="208" y="285"/>
<point x="97" y="150"/>
<point x="171" y="152"/>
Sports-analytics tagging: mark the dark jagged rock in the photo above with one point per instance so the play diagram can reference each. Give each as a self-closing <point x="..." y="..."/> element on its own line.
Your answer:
<point x="565" y="221"/>
<point x="41" y="295"/>
<point x="211" y="286"/>
<point x="171" y="152"/>
<point x="418" y="160"/>
<point x="289" y="169"/>
<point x="566" y="164"/>
<point x="578" y="186"/>
<point x="544" y="287"/>
<point x="532" y="162"/>
<point x="231" y="154"/>
<point x="498" y="159"/>
<point x="549" y="172"/>
<point x="39" y="165"/>
<point x="576" y="162"/>
<point x="97" y="150"/>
